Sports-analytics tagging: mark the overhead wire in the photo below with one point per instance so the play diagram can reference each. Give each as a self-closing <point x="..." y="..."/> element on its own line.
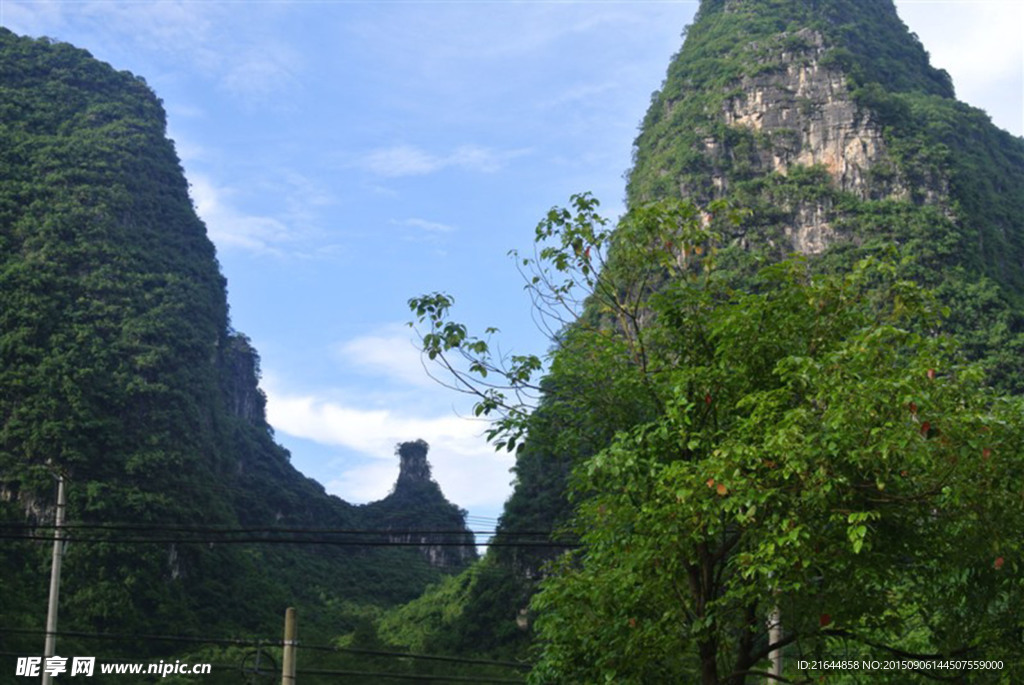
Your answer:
<point x="262" y="529"/>
<point x="136" y="533"/>
<point x="290" y="541"/>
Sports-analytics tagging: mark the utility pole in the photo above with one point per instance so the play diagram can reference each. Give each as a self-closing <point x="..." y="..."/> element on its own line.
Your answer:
<point x="58" y="553"/>
<point x="774" y="637"/>
<point x="290" y="633"/>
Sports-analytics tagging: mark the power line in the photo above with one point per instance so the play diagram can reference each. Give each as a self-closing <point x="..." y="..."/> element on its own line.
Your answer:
<point x="134" y="533"/>
<point x="178" y="528"/>
<point x="292" y="541"/>
<point x="141" y="636"/>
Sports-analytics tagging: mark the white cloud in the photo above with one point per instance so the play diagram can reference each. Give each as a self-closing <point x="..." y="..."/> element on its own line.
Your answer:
<point x="259" y="72"/>
<point x="408" y="160"/>
<point x="367" y="482"/>
<point x="981" y="44"/>
<point x="586" y="94"/>
<point x="401" y="160"/>
<point x="292" y="230"/>
<point x="389" y="354"/>
<point x="230" y="228"/>
<point x="31" y="19"/>
<point x="429" y="226"/>
<point x="303" y="199"/>
<point x="469" y="471"/>
<point x="204" y="36"/>
<point x="373" y="432"/>
<point x="479" y="159"/>
<point x="368" y="425"/>
<point x="183" y="110"/>
<point x="429" y="232"/>
<point x="977" y="49"/>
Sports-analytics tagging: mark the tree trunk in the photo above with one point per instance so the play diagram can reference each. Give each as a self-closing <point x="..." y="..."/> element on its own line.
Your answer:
<point x="746" y="645"/>
<point x="702" y="589"/>
<point x="708" y="662"/>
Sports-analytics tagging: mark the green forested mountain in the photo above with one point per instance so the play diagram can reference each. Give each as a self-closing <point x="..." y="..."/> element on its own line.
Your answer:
<point x="723" y="436"/>
<point x="119" y="369"/>
<point x="826" y="121"/>
<point x="808" y="127"/>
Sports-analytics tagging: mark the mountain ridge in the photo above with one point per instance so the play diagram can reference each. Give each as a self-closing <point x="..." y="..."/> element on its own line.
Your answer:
<point x="121" y="371"/>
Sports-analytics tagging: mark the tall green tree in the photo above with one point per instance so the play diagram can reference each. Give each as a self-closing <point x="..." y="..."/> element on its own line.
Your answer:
<point x="810" y="448"/>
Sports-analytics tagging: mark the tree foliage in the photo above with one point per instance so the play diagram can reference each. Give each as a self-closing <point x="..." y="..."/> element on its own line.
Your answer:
<point x="945" y="191"/>
<point x="811" y="445"/>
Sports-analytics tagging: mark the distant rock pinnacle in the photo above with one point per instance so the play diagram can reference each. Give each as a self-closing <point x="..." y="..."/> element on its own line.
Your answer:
<point x="413" y="464"/>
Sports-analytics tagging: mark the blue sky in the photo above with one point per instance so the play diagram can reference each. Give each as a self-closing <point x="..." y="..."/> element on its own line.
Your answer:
<point x="347" y="156"/>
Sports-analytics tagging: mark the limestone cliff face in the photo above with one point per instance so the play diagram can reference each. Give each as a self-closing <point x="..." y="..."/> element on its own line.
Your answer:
<point x="806" y="116"/>
<point x="810" y="117"/>
<point x="779" y="96"/>
<point x="240" y="375"/>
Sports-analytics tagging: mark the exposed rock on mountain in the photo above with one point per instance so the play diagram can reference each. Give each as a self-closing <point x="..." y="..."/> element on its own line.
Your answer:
<point x="787" y="96"/>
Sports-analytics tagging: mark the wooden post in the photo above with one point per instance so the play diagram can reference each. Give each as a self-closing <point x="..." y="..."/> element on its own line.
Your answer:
<point x="58" y="552"/>
<point x="290" y="634"/>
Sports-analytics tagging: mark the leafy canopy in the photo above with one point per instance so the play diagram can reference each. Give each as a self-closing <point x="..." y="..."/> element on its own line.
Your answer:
<point x="808" y="446"/>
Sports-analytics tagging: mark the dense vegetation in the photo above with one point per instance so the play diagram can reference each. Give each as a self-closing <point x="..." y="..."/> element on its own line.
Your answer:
<point x="865" y="41"/>
<point x="119" y="370"/>
<point x="621" y="455"/>
<point x="808" y="447"/>
<point x="813" y="447"/>
<point x="950" y="190"/>
<point x="716" y="438"/>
